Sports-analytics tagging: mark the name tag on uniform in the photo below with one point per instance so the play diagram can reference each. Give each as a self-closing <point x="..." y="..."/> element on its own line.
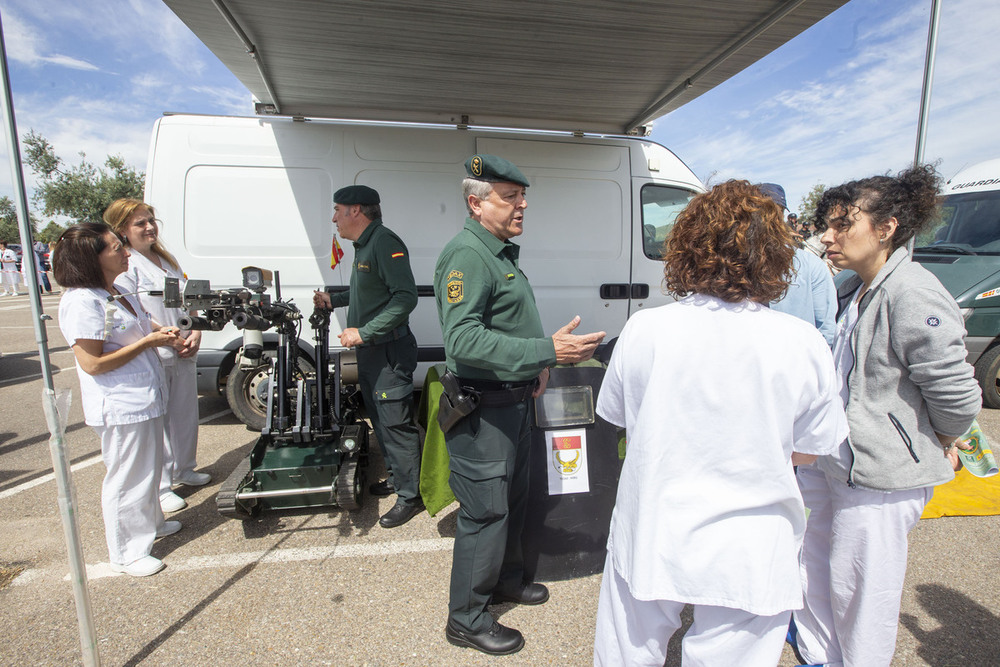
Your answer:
<point x="363" y="266"/>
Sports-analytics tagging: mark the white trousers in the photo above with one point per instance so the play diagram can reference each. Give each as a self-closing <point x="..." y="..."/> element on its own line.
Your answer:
<point x="180" y="424"/>
<point x="11" y="278"/>
<point x="853" y="565"/>
<point x="633" y="632"/>
<point x="129" y="498"/>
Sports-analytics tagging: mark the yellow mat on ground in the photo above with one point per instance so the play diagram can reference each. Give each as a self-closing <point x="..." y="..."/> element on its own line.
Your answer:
<point x="966" y="495"/>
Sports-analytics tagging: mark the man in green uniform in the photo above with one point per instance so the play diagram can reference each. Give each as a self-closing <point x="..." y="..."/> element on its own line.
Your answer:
<point x="494" y="343"/>
<point x="381" y="296"/>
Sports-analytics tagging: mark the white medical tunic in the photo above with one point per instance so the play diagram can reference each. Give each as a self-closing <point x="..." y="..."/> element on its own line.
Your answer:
<point x="143" y="277"/>
<point x="131" y="393"/>
<point x="714" y="398"/>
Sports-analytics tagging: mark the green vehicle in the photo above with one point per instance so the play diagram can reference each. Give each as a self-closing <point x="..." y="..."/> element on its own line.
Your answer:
<point x="963" y="251"/>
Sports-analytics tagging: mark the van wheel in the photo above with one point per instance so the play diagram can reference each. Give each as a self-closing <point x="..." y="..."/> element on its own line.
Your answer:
<point x="988" y="375"/>
<point x="247" y="390"/>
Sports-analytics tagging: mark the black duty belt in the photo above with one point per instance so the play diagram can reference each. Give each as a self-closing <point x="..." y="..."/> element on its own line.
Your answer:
<point x="494" y="394"/>
<point x="395" y="334"/>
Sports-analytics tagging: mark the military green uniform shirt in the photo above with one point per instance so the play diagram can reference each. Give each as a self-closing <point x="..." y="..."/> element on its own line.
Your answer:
<point x="492" y="330"/>
<point x="382" y="292"/>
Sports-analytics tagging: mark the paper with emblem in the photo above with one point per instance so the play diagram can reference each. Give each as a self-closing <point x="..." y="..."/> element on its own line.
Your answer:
<point x="567" y="461"/>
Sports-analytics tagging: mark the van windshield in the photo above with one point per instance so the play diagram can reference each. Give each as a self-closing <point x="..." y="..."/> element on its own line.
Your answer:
<point x="969" y="225"/>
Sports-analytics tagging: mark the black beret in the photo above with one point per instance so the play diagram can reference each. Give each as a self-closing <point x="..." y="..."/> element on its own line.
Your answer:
<point x="356" y="194"/>
<point x="493" y="169"/>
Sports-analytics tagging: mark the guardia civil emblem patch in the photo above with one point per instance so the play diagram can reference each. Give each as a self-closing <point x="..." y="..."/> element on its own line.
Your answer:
<point x="455" y="291"/>
<point x="477" y="166"/>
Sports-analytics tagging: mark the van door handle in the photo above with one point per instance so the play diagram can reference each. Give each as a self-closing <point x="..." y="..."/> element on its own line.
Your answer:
<point x="640" y="291"/>
<point x="614" y="291"/>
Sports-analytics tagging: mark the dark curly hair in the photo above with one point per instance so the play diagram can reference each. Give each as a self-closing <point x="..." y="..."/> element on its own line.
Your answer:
<point x="912" y="197"/>
<point x="732" y="243"/>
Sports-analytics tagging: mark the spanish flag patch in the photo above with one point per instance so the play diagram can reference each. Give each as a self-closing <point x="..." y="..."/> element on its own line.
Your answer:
<point x="396" y="254"/>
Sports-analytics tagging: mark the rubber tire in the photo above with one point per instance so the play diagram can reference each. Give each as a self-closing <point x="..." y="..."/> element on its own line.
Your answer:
<point x="240" y="390"/>
<point x="988" y="376"/>
<point x="350" y="484"/>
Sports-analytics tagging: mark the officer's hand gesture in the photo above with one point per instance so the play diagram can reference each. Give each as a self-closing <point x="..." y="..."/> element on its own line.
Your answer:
<point x="573" y="348"/>
<point x="321" y="299"/>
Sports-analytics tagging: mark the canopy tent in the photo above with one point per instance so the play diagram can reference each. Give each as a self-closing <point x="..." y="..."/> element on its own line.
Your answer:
<point x="575" y="65"/>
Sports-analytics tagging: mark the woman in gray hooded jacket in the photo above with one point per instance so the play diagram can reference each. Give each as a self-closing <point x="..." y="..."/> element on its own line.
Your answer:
<point x="908" y="393"/>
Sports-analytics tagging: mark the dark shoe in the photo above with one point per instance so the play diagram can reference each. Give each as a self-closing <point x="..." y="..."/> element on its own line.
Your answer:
<point x="498" y="640"/>
<point x="530" y="594"/>
<point x="383" y="488"/>
<point x="400" y="514"/>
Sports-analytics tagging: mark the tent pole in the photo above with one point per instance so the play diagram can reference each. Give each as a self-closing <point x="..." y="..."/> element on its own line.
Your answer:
<point x="57" y="445"/>
<point x="925" y="96"/>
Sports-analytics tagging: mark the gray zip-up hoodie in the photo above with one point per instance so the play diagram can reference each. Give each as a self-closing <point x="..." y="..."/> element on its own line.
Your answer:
<point x="909" y="379"/>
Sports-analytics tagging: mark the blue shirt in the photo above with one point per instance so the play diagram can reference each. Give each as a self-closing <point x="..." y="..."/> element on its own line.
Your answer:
<point x="811" y="295"/>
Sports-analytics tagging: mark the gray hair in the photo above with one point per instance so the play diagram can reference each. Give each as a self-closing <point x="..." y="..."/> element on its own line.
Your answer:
<point x="371" y="211"/>
<point x="471" y="186"/>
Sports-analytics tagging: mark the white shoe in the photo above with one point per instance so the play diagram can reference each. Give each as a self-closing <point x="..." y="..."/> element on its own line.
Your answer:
<point x="171" y="502"/>
<point x="167" y="528"/>
<point x="192" y="478"/>
<point x="143" y="567"/>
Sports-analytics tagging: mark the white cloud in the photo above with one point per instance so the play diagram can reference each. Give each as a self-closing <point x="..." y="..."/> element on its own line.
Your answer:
<point x="28" y="46"/>
<point x="856" y="112"/>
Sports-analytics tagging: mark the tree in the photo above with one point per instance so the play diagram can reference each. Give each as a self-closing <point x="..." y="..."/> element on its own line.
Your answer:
<point x="51" y="233"/>
<point x="807" y="209"/>
<point x="83" y="192"/>
<point x="9" y="231"/>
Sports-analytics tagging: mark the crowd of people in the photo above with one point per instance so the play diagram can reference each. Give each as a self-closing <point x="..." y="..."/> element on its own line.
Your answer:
<point x="831" y="412"/>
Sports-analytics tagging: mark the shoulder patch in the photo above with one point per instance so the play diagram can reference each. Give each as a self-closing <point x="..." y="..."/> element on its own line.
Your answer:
<point x="455" y="291"/>
<point x="455" y="274"/>
<point x="396" y="255"/>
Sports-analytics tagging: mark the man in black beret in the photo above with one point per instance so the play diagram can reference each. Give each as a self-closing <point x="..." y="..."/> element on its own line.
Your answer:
<point x="381" y="296"/>
<point x="495" y="346"/>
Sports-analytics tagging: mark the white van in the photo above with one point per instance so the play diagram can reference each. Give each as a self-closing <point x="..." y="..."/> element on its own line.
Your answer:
<point x="233" y="192"/>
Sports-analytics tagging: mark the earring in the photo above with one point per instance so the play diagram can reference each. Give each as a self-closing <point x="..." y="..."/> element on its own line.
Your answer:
<point x="881" y="240"/>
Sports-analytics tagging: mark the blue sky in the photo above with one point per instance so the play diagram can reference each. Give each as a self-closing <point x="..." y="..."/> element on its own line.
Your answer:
<point x="838" y="102"/>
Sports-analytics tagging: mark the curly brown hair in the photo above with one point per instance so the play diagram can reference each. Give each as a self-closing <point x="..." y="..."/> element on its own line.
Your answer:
<point x="731" y="243"/>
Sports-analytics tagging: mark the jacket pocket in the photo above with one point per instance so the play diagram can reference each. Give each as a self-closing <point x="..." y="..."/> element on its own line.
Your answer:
<point x="904" y="436"/>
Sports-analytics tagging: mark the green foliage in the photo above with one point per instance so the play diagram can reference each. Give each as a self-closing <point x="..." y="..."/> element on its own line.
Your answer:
<point x="807" y="209"/>
<point x="83" y="192"/>
<point x="51" y="233"/>
<point x="9" y="231"/>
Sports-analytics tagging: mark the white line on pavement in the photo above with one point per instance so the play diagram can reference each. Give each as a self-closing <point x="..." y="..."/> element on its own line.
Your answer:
<point x="82" y="464"/>
<point x="236" y="560"/>
<point x="86" y="463"/>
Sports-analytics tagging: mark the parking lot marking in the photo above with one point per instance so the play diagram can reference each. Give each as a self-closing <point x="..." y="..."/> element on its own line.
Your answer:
<point x="84" y="464"/>
<point x="266" y="557"/>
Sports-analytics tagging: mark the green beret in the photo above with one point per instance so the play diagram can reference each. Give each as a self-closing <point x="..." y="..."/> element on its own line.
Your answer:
<point x="493" y="169"/>
<point x="356" y="194"/>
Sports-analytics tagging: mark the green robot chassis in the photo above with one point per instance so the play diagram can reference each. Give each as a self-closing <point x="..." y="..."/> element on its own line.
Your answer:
<point x="313" y="449"/>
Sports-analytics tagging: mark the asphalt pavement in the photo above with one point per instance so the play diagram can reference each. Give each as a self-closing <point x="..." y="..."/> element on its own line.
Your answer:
<point x="328" y="587"/>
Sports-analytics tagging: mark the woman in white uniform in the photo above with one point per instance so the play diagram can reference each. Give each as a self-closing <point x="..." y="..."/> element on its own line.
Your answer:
<point x="8" y="270"/>
<point x="121" y="387"/>
<point x="719" y="396"/>
<point x="149" y="264"/>
<point x="908" y="392"/>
